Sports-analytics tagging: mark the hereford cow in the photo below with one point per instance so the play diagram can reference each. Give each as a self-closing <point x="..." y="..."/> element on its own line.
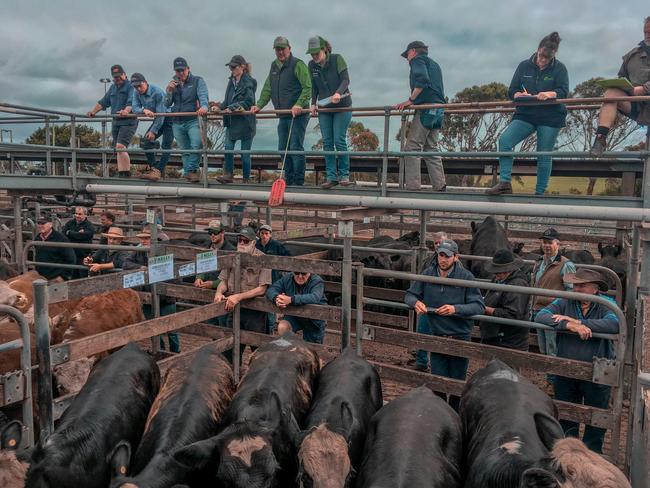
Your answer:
<point x="13" y="298"/>
<point x="111" y="407"/>
<point x="504" y="420"/>
<point x="414" y="441"/>
<point x="487" y="238"/>
<point x="256" y="448"/>
<point x="330" y="447"/>
<point x="12" y="465"/>
<point x="189" y="408"/>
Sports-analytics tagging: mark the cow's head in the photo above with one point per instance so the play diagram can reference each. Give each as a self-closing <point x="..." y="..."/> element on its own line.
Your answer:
<point x="13" y="298"/>
<point x="12" y="470"/>
<point x="607" y="250"/>
<point x="323" y="454"/>
<point x="570" y="463"/>
<point x="72" y="376"/>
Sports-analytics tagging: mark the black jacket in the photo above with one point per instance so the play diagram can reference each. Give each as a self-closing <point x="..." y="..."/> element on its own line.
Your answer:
<point x="118" y="258"/>
<point x="58" y="255"/>
<point x="73" y="231"/>
<point x="237" y="98"/>
<point x="507" y="305"/>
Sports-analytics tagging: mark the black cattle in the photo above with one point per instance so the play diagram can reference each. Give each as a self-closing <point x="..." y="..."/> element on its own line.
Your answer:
<point x="256" y="449"/>
<point x="487" y="237"/>
<point x="330" y="447"/>
<point x="13" y="465"/>
<point x="411" y="238"/>
<point x="578" y="256"/>
<point x="413" y="442"/>
<point x="189" y="408"/>
<point x="112" y="406"/>
<point x="611" y="259"/>
<point x="505" y="417"/>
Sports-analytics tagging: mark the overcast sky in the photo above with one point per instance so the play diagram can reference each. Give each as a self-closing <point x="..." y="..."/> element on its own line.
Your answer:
<point x="54" y="52"/>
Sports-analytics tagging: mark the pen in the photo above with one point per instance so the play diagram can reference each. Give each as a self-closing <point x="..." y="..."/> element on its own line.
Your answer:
<point x="524" y="88"/>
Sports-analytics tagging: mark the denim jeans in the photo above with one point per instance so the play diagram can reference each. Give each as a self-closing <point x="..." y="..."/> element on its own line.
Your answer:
<point x="167" y="133"/>
<point x="517" y="131"/>
<point x="334" y="128"/>
<point x="547" y="342"/>
<point x="450" y="367"/>
<point x="174" y="341"/>
<point x="422" y="356"/>
<point x="188" y="136"/>
<point x="312" y="330"/>
<point x="587" y="393"/>
<point x="229" y="159"/>
<point x="294" y="168"/>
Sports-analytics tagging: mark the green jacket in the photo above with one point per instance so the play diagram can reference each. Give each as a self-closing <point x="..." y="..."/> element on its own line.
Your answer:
<point x="302" y="74"/>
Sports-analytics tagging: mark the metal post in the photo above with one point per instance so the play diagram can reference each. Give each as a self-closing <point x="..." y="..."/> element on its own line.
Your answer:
<point x="18" y="231"/>
<point x="204" y="135"/>
<point x="376" y="231"/>
<point x="73" y="148"/>
<point x="346" y="230"/>
<point x="268" y="216"/>
<point x="384" y="163"/>
<point x="42" y="324"/>
<point x="48" y="142"/>
<point x="105" y="171"/>
<point x="359" y="306"/>
<point x="236" y="325"/>
<point x="284" y="220"/>
<point x="402" y="142"/>
<point x="155" y="298"/>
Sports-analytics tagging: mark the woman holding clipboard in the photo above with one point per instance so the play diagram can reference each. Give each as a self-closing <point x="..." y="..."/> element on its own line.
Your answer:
<point x="537" y="79"/>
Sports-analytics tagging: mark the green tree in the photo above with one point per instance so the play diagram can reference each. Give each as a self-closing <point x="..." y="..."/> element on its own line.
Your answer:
<point x="359" y="137"/>
<point x="60" y="136"/>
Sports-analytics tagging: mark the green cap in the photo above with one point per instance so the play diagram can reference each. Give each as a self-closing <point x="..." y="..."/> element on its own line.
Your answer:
<point x="281" y="42"/>
<point x="315" y="44"/>
<point x="248" y="233"/>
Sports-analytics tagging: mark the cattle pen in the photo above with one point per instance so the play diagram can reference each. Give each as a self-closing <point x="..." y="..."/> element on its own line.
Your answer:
<point x="341" y="215"/>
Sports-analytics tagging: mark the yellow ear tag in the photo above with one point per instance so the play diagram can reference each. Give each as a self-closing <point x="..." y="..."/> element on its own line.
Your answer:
<point x="12" y="442"/>
<point x="122" y="469"/>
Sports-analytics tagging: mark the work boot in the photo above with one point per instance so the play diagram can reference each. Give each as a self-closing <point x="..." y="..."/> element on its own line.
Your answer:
<point x="246" y="181"/>
<point x="501" y="188"/>
<point x="153" y="174"/>
<point x="225" y="178"/>
<point x="124" y="174"/>
<point x="329" y="184"/>
<point x="193" y="176"/>
<point x="599" y="147"/>
<point x="346" y="182"/>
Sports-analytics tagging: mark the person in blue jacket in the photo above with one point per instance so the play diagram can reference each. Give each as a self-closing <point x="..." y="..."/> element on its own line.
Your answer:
<point x="537" y="79"/>
<point x="583" y="318"/>
<point x="448" y="310"/>
<point x="240" y="96"/>
<point x="299" y="288"/>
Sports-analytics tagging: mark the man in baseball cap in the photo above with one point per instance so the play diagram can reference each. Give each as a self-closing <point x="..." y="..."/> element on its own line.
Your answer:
<point x="217" y="232"/>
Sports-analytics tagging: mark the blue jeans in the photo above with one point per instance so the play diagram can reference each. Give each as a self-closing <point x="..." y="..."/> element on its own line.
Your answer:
<point x="312" y="330"/>
<point x="174" y="341"/>
<point x="587" y="393"/>
<point x="188" y="136"/>
<point x="167" y="133"/>
<point x="229" y="159"/>
<point x="334" y="128"/>
<point x="294" y="168"/>
<point x="422" y="356"/>
<point x="517" y="131"/>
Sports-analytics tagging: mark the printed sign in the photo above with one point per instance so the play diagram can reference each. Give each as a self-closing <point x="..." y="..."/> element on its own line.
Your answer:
<point x="180" y="209"/>
<point x="161" y="268"/>
<point x="346" y="229"/>
<point x="151" y="216"/>
<point x="188" y="269"/>
<point x="133" y="279"/>
<point x="206" y="261"/>
<point x="366" y="220"/>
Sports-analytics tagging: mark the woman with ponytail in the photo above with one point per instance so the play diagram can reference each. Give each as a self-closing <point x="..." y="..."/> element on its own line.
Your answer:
<point x="537" y="79"/>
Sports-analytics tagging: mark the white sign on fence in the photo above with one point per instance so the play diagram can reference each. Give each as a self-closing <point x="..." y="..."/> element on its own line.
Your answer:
<point x="206" y="261"/>
<point x="151" y="216"/>
<point x="133" y="279"/>
<point x="188" y="269"/>
<point x="161" y="268"/>
<point x="366" y="220"/>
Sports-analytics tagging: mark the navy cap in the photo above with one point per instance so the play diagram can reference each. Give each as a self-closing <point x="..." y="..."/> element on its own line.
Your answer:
<point x="137" y="78"/>
<point x="117" y="69"/>
<point x="447" y="247"/>
<point x="413" y="45"/>
<point x="236" y="60"/>
<point x="550" y="234"/>
<point x="180" y="63"/>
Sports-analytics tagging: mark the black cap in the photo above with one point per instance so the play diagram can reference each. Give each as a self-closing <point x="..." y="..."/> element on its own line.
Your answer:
<point x="117" y="69"/>
<point x="413" y="45"/>
<point x="550" y="234"/>
<point x="137" y="78"/>
<point x="180" y="63"/>
<point x="236" y="60"/>
<point x="43" y="220"/>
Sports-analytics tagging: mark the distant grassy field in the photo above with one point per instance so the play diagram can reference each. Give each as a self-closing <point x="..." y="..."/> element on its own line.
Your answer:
<point x="561" y="184"/>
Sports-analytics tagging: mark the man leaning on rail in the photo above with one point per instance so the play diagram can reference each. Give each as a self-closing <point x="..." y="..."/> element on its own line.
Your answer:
<point x="583" y="318"/>
<point x="54" y="255"/>
<point x="79" y="230"/>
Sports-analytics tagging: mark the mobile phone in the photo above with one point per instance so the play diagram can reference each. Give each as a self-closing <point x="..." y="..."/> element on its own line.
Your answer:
<point x="177" y="80"/>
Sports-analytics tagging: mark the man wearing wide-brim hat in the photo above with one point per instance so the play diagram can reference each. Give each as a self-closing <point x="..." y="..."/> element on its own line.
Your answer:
<point x="579" y="319"/>
<point x="104" y="260"/>
<point x="507" y="270"/>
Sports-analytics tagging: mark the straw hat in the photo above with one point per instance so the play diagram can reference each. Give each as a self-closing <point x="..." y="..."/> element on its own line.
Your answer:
<point x="144" y="235"/>
<point x="115" y="232"/>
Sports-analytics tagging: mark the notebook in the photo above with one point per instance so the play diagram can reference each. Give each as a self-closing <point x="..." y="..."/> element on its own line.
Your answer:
<point x="621" y="83"/>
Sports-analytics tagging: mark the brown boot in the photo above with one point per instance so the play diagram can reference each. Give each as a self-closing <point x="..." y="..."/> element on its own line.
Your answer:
<point x="193" y="176"/>
<point x="225" y="178"/>
<point x="152" y="175"/>
<point x="501" y="188"/>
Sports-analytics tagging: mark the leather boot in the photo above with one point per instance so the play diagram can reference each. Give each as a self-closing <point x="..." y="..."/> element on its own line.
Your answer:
<point x="501" y="188"/>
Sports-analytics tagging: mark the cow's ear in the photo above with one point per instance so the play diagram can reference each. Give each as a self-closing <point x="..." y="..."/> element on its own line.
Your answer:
<point x="199" y="454"/>
<point x="11" y="436"/>
<point x="600" y="248"/>
<point x="120" y="459"/>
<point x="538" y="478"/>
<point x="548" y="430"/>
<point x="473" y="225"/>
<point x="347" y="419"/>
<point x="619" y="249"/>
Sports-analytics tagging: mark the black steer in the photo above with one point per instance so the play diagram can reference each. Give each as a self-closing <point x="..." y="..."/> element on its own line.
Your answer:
<point x="347" y="396"/>
<point x="487" y="237"/>
<point x="112" y="406"/>
<point x="413" y="442"/>
<point x="189" y="408"/>
<point x="256" y="448"/>
<point x="505" y="421"/>
<point x="13" y="465"/>
<point x="578" y="256"/>
<point x="611" y="258"/>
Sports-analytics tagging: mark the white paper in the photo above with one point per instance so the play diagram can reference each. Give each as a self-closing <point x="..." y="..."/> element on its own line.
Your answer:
<point x="188" y="269"/>
<point x="366" y="220"/>
<point x="180" y="209"/>
<point x="133" y="279"/>
<point x="206" y="261"/>
<point x="151" y="216"/>
<point x="161" y="268"/>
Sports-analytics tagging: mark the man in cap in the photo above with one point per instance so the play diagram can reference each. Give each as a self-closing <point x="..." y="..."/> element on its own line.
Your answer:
<point x="55" y="255"/>
<point x="507" y="270"/>
<point x="582" y="318"/>
<point x="149" y="99"/>
<point x="426" y="86"/>
<point x="270" y="246"/>
<point x="447" y="309"/>
<point x="187" y="92"/>
<point x="288" y="85"/>
<point x="104" y="260"/>
<point x="295" y="289"/>
<point x="217" y="233"/>
<point x="548" y="273"/>
<point x="79" y="230"/>
<point x="106" y="221"/>
<point x="253" y="282"/>
<point x="119" y="97"/>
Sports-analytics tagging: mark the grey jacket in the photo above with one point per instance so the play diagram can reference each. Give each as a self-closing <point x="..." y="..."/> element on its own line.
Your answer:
<point x="636" y="68"/>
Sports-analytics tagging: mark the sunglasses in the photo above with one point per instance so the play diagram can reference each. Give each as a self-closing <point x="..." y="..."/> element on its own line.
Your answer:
<point x="243" y="240"/>
<point x="117" y="76"/>
<point x="300" y="273"/>
<point x="279" y="48"/>
<point x="214" y="233"/>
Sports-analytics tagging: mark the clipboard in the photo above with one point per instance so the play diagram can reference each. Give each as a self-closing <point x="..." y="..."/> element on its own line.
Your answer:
<point x="620" y="83"/>
<point x="531" y="98"/>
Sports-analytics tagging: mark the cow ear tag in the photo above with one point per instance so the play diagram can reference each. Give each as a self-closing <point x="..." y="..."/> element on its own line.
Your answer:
<point x="122" y="469"/>
<point x="12" y="442"/>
